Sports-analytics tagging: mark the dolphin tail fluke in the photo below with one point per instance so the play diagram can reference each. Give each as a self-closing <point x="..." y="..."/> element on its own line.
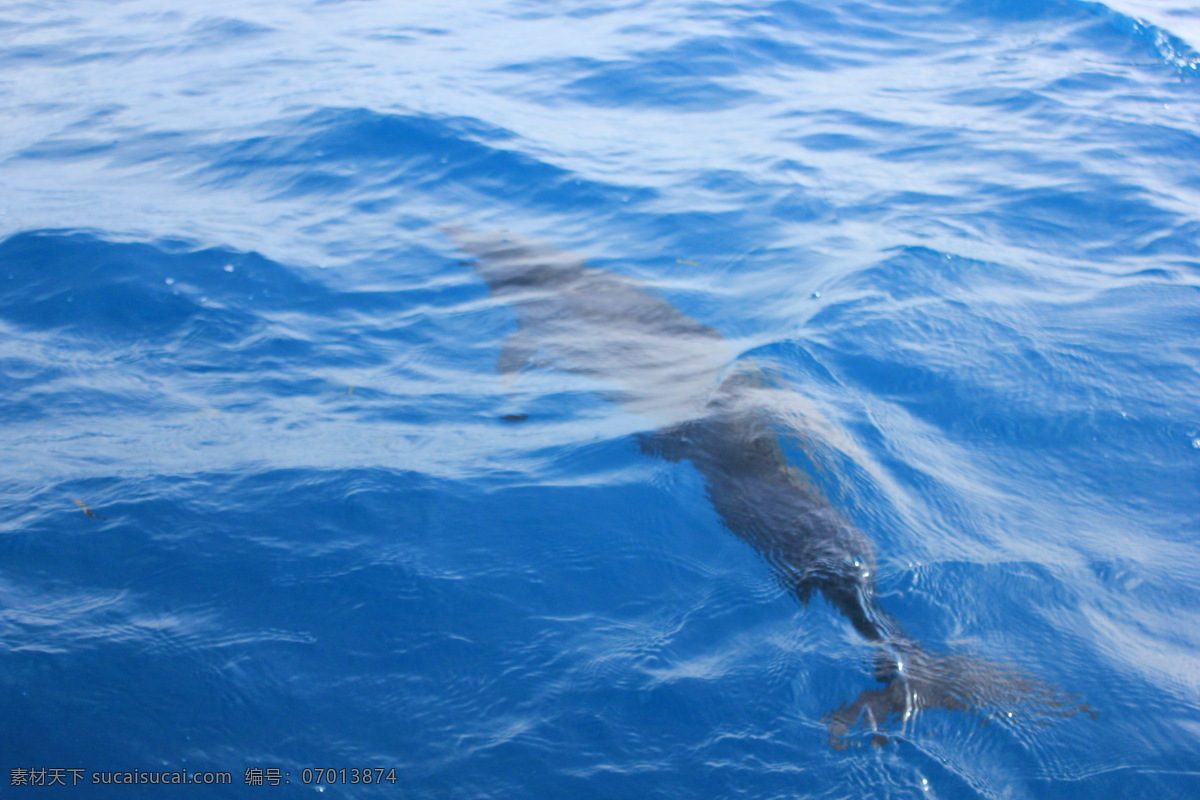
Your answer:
<point x="915" y="680"/>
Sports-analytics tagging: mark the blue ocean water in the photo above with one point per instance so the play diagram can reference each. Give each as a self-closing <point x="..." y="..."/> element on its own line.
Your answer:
<point x="262" y="509"/>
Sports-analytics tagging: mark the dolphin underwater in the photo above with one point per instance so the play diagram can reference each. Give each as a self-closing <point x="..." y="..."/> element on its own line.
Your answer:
<point x="719" y="414"/>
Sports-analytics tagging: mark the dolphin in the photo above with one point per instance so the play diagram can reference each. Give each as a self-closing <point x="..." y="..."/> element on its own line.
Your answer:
<point x="720" y="414"/>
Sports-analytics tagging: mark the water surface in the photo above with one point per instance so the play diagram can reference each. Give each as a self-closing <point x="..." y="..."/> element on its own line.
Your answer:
<point x="231" y="327"/>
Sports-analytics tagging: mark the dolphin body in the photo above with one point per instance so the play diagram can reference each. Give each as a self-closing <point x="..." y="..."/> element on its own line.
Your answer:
<point x="682" y="375"/>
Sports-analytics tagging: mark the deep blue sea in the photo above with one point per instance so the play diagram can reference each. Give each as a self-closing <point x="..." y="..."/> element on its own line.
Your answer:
<point x="268" y="508"/>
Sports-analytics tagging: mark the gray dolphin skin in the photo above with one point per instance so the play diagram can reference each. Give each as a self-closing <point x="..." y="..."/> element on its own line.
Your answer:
<point x="705" y="407"/>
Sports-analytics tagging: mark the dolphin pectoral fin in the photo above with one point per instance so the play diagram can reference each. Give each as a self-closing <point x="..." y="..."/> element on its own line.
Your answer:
<point x="516" y="353"/>
<point x="672" y="444"/>
<point x="654" y="444"/>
